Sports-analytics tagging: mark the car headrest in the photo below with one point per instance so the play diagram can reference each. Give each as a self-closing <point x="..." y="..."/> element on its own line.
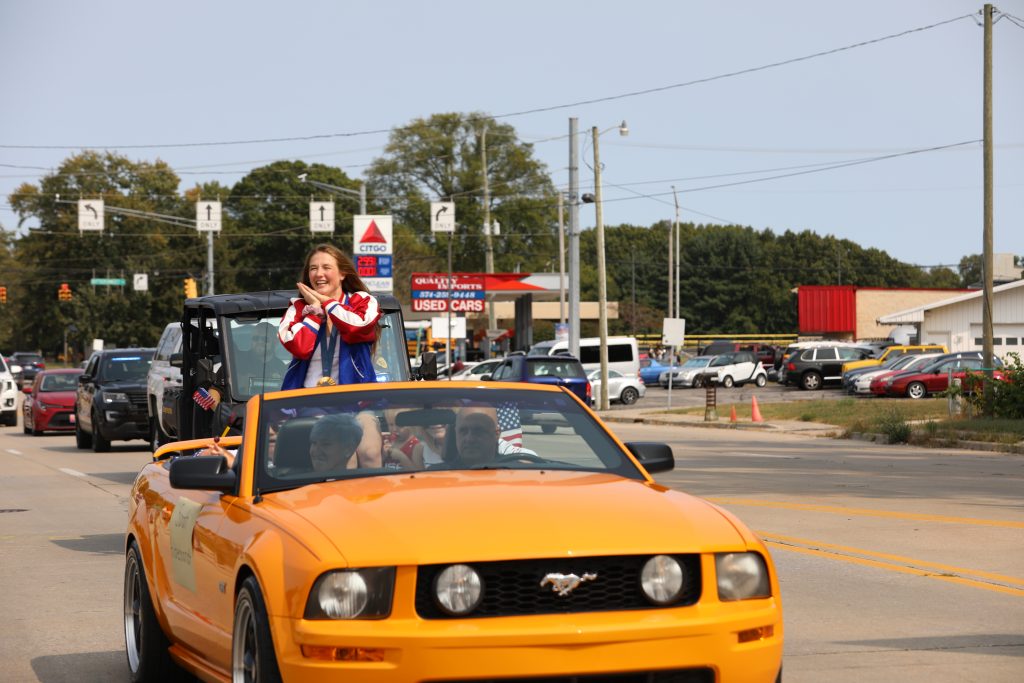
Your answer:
<point x="292" y="449"/>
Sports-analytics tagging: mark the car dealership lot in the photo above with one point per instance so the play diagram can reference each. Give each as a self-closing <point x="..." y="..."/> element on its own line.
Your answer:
<point x="895" y="563"/>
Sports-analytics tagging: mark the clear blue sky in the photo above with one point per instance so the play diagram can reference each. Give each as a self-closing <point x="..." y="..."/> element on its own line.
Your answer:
<point x="119" y="73"/>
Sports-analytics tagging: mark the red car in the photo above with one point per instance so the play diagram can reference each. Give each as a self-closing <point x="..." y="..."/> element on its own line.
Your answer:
<point x="934" y="378"/>
<point x="50" y="402"/>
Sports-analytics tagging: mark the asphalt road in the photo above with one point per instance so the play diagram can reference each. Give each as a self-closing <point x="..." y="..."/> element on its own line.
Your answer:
<point x="896" y="563"/>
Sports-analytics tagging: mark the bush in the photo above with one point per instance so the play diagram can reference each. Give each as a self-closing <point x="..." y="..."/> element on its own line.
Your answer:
<point x="895" y="427"/>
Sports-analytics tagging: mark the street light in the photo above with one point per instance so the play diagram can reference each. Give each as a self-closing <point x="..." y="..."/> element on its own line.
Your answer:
<point x="602" y="278"/>
<point x="361" y="192"/>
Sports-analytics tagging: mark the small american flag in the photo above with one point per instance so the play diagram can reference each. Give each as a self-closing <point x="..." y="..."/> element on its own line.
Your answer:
<point x="203" y="399"/>
<point x="509" y="425"/>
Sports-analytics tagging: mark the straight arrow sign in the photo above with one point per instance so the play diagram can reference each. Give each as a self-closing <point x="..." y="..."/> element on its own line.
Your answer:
<point x="208" y="216"/>
<point x="321" y="216"/>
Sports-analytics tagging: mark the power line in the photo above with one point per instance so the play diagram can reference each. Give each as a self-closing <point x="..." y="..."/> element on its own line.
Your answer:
<point x="524" y="112"/>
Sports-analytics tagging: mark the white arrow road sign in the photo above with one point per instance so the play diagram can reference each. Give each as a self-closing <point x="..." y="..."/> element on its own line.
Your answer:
<point x="321" y="216"/>
<point x="442" y="216"/>
<point x="90" y="214"/>
<point x="208" y="216"/>
<point x="141" y="282"/>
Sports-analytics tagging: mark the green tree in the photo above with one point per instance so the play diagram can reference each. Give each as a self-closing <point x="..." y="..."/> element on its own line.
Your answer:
<point x="55" y="252"/>
<point x="440" y="158"/>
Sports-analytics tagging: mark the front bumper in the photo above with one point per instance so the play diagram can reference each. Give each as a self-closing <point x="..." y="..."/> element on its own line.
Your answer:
<point x="412" y="649"/>
<point x="121" y="424"/>
<point x="61" y="420"/>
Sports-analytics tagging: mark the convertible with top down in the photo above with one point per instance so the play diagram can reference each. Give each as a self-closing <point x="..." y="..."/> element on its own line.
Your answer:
<point x="437" y="531"/>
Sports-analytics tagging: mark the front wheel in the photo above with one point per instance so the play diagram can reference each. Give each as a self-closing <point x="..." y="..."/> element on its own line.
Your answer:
<point x="144" y="640"/>
<point x="761" y="380"/>
<point x="698" y="382"/>
<point x="728" y="381"/>
<point x="916" y="390"/>
<point x="629" y="396"/>
<point x="252" y="650"/>
<point x="99" y="444"/>
<point x="82" y="440"/>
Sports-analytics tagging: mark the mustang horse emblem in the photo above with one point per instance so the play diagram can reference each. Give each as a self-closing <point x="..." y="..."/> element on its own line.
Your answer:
<point x="563" y="584"/>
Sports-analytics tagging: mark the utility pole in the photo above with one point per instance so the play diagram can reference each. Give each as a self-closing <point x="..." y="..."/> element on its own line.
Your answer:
<point x="561" y="261"/>
<point x="675" y="195"/>
<point x="602" y="277"/>
<point x="671" y="272"/>
<point x="488" y="240"/>
<point x="986" y="309"/>
<point x="209" y="264"/>
<point x="574" y="241"/>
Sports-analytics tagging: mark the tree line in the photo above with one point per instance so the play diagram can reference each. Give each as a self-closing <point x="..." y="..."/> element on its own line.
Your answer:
<point x="733" y="279"/>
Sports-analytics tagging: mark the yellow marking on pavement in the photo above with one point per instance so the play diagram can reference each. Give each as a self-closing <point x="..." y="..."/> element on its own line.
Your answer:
<point x="865" y="512"/>
<point x="898" y="568"/>
<point x="790" y="541"/>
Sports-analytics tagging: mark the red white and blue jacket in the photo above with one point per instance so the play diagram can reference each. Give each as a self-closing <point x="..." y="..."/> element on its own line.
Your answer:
<point x="355" y="317"/>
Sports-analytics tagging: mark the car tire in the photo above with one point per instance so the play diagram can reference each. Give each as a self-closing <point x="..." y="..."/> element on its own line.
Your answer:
<point x="157" y="436"/>
<point x="811" y="381"/>
<point x="728" y="382"/>
<point x="32" y="428"/>
<point x="252" y="649"/>
<point x="698" y="383"/>
<point x="24" y="425"/>
<point x="761" y="380"/>
<point x="99" y="444"/>
<point x="548" y="429"/>
<point x="145" y="642"/>
<point x="82" y="440"/>
<point x="916" y="390"/>
<point x="629" y="396"/>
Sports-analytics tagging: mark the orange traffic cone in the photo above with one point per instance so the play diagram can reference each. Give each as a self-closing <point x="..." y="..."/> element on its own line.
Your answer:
<point x="732" y="414"/>
<point x="755" y="412"/>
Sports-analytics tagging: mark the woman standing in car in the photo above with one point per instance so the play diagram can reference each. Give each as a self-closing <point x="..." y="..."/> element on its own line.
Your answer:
<point x="331" y="330"/>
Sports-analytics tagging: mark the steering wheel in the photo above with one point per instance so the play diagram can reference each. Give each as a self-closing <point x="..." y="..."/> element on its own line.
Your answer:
<point x="527" y="457"/>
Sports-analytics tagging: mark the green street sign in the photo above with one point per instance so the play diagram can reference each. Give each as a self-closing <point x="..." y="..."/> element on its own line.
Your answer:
<point x="112" y="281"/>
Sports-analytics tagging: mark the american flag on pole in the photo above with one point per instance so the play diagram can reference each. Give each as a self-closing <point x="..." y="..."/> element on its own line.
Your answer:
<point x="203" y="399"/>
<point x="509" y="424"/>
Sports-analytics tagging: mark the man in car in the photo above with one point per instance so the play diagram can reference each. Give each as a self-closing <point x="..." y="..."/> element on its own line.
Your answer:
<point x="478" y="440"/>
<point x="333" y="441"/>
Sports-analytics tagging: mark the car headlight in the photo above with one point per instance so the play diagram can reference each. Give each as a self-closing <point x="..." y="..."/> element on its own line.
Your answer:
<point x="352" y="594"/>
<point x="662" y="579"/>
<point x="741" y="576"/>
<point x="115" y="397"/>
<point x="458" y="589"/>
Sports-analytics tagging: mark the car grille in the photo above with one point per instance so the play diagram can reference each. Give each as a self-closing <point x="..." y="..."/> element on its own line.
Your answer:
<point x="61" y="420"/>
<point x="700" y="675"/>
<point x="137" y="400"/>
<point x="512" y="588"/>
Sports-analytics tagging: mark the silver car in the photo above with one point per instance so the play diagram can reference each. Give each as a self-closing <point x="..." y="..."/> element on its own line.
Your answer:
<point x="621" y="389"/>
<point x="686" y="375"/>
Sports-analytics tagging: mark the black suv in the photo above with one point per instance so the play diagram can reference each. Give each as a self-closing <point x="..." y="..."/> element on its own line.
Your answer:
<point x="811" y="369"/>
<point x="31" y="365"/>
<point x="562" y="371"/>
<point x="111" y="401"/>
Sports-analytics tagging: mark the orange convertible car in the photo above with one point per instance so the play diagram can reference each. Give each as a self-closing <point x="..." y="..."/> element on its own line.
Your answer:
<point x="437" y="531"/>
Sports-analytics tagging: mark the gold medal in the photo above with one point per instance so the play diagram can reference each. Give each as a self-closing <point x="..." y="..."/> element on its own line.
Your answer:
<point x="326" y="382"/>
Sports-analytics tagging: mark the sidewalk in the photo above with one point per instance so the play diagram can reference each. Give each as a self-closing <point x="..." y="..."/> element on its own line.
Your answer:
<point x="658" y="417"/>
<point x="811" y="429"/>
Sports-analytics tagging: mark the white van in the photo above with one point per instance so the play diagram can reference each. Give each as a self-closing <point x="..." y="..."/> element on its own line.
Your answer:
<point x="623" y="353"/>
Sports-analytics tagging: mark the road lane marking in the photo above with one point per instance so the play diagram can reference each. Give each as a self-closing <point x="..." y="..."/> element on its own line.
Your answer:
<point x="865" y="512"/>
<point x="13" y="452"/>
<point x="73" y="473"/>
<point x="972" y="583"/>
<point x="848" y="551"/>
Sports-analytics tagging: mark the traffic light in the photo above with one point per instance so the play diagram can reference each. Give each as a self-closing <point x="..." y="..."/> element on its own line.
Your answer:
<point x="190" y="288"/>
<point x="3" y="295"/>
<point x="64" y="293"/>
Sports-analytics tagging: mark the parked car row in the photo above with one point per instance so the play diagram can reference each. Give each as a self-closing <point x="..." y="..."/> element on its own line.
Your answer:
<point x="733" y="368"/>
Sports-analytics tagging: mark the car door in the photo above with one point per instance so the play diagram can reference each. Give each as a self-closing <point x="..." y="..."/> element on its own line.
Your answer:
<point x="938" y="380"/>
<point x="194" y="563"/>
<point x="827" y="360"/>
<point x="86" y="393"/>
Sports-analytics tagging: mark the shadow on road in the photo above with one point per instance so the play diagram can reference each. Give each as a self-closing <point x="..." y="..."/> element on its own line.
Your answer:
<point x="98" y="544"/>
<point x="81" y="666"/>
<point x="1002" y="644"/>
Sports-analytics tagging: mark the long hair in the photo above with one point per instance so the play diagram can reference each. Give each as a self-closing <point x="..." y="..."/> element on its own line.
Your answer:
<point x="351" y="282"/>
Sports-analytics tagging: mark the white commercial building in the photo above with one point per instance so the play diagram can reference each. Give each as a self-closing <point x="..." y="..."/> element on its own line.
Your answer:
<point x="956" y="322"/>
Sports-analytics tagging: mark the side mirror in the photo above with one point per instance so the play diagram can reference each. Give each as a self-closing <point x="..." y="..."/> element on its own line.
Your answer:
<point x="175" y="360"/>
<point x="428" y="366"/>
<point x="84" y="378"/>
<point x="486" y="377"/>
<point x="27" y="389"/>
<point x="654" y="456"/>
<point x="202" y="472"/>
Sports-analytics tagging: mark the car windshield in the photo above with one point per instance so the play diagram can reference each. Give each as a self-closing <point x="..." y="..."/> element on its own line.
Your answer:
<point x="62" y="382"/>
<point x="699" y="362"/>
<point x="257" y="361"/>
<point x="314" y="437"/>
<point x="126" y="367"/>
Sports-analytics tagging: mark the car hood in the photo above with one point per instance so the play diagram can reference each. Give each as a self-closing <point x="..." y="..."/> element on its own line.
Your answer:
<point x="124" y="385"/>
<point x="435" y="517"/>
<point x="57" y="398"/>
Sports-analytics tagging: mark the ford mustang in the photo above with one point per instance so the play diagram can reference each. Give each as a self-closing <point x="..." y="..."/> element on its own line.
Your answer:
<point x="437" y="531"/>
